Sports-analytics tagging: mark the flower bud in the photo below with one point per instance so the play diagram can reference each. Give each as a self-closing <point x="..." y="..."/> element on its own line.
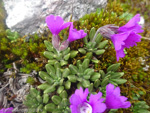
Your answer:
<point x="108" y="30"/>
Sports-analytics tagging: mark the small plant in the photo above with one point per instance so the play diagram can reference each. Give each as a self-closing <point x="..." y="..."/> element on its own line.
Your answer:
<point x="12" y="36"/>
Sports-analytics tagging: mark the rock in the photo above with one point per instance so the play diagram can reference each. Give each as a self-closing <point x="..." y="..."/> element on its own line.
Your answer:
<point x="28" y="16"/>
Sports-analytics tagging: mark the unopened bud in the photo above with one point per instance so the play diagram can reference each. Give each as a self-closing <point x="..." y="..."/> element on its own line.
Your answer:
<point x="106" y="31"/>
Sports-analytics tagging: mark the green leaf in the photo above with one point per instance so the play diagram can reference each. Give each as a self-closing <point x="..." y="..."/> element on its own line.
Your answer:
<point x="80" y="67"/>
<point x="72" y="78"/>
<point x="57" y="65"/>
<point x="102" y="73"/>
<point x="97" y="83"/>
<point x="64" y="94"/>
<point x="56" y="99"/>
<point x="66" y="51"/>
<point x="89" y="71"/>
<point x="52" y="62"/>
<point x="62" y="62"/>
<point x="34" y="92"/>
<point x="73" y="69"/>
<point x="86" y="83"/>
<point x="60" y="89"/>
<point x="92" y="33"/>
<point x="44" y="111"/>
<point x="87" y="77"/>
<point x="91" y="87"/>
<point x="50" y="69"/>
<point x="85" y="63"/>
<point x="99" y="52"/>
<point x="50" y="107"/>
<point x="57" y="111"/>
<point x="117" y="75"/>
<point x="66" y="57"/>
<point x="101" y="45"/>
<point x="93" y="45"/>
<point x="65" y="102"/>
<point x="66" y="72"/>
<point x="39" y="108"/>
<point x="113" y="83"/>
<point x="44" y="86"/>
<point x="79" y="85"/>
<point x="49" y="55"/>
<point x="95" y="61"/>
<point x="95" y="76"/>
<point x="113" y="67"/>
<point x="50" y="89"/>
<point x="105" y="81"/>
<point x="43" y="75"/>
<point x="48" y="45"/>
<point x="73" y="54"/>
<point x="39" y="99"/>
<point x="119" y="81"/>
<point x="45" y="98"/>
<point x="68" y="85"/>
<point x="59" y="56"/>
<point x="89" y="55"/>
<point x="81" y="50"/>
<point x="85" y="39"/>
<point x="58" y="73"/>
<point x="98" y="38"/>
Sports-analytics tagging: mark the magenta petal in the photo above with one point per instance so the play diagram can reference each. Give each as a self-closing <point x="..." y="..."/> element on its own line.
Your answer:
<point x="118" y="40"/>
<point x="6" y="110"/>
<point x="113" y="98"/>
<point x="83" y="34"/>
<point x="75" y="99"/>
<point x="133" y="21"/>
<point x="73" y="109"/>
<point x="65" y="25"/>
<point x="94" y="98"/>
<point x="132" y="39"/>
<point x="81" y="94"/>
<point x="132" y="25"/>
<point x="56" y="24"/>
<point x="120" y="54"/>
<point x="96" y="102"/>
<point x="74" y="34"/>
<point x="99" y="107"/>
<point x="109" y="89"/>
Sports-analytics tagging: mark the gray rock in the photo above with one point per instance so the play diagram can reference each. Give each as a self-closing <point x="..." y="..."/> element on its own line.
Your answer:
<point x="28" y="16"/>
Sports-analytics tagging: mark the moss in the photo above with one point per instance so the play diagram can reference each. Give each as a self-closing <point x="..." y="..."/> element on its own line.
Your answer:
<point x="28" y="55"/>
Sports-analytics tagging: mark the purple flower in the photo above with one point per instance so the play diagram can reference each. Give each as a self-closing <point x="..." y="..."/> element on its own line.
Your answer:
<point x="132" y="25"/>
<point x="56" y="24"/>
<point x="6" y="110"/>
<point x="79" y="103"/>
<point x="127" y="36"/>
<point x="74" y="34"/>
<point x="113" y="98"/>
